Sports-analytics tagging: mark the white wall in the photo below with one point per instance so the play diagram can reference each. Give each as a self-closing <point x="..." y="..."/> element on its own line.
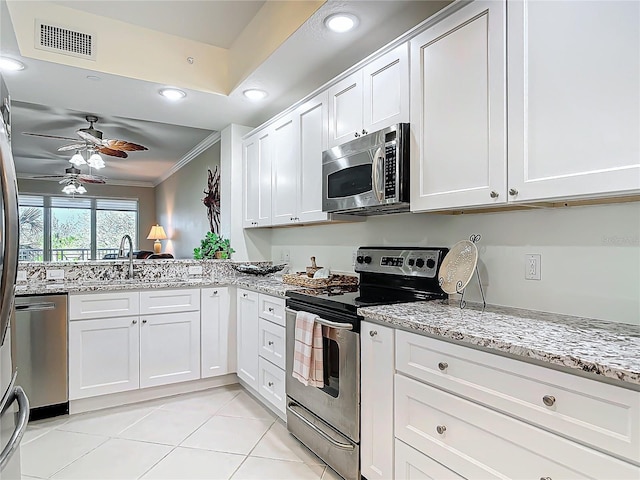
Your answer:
<point x="590" y="255"/>
<point x="179" y="206"/>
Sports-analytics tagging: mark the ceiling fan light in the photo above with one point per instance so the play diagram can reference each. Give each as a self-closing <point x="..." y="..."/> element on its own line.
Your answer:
<point x="69" y="189"/>
<point x="80" y="189"/>
<point x="10" y="64"/>
<point x="77" y="159"/>
<point x="341" y="22"/>
<point x="173" y="94"/>
<point x="255" y="94"/>
<point x="96" y="161"/>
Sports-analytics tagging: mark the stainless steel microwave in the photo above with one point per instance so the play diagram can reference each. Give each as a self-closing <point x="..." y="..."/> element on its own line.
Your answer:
<point x="368" y="175"/>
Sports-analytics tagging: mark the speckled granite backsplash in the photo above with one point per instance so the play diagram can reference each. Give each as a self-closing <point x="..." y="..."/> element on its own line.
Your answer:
<point x="144" y="270"/>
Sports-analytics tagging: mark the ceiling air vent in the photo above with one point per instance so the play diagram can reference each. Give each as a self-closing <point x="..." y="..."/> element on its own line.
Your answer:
<point x="59" y="39"/>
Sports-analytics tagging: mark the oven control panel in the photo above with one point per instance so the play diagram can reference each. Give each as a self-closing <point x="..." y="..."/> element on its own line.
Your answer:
<point x="421" y="262"/>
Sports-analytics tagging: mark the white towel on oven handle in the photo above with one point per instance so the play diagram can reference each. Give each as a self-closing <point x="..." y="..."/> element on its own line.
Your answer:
<point x="307" y="353"/>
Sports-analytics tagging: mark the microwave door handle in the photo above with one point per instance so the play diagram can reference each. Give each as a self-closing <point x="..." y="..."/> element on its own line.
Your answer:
<point x="376" y="174"/>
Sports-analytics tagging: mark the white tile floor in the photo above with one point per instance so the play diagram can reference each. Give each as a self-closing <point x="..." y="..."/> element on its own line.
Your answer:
<point x="222" y="433"/>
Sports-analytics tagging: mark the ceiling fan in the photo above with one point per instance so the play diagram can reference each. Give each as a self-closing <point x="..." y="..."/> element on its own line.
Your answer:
<point x="93" y="139"/>
<point x="73" y="179"/>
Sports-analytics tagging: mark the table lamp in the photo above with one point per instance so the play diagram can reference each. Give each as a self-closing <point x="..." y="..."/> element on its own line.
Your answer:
<point x="157" y="234"/>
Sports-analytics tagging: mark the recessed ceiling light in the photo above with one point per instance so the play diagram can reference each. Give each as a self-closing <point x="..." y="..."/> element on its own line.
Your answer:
<point x="172" y="93"/>
<point x="10" y="65"/>
<point x="341" y="22"/>
<point x="255" y="94"/>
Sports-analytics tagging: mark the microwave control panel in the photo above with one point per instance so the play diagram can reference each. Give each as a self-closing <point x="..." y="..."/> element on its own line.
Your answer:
<point x="390" y="170"/>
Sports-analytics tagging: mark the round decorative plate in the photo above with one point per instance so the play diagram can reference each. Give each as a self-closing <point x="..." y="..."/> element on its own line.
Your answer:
<point x="458" y="266"/>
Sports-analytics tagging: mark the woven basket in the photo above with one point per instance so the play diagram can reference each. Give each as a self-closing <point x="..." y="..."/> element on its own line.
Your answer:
<point x="300" y="279"/>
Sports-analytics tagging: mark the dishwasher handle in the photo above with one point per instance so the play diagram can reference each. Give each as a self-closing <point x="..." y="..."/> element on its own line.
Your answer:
<point x="36" y="307"/>
<point x="21" y="425"/>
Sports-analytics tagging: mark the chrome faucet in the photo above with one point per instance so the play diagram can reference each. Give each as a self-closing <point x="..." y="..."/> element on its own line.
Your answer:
<point x="121" y="253"/>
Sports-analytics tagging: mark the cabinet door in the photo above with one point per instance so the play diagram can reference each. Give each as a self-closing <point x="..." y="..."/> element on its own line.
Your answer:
<point x="386" y="90"/>
<point x="84" y="306"/>
<point x="257" y="180"/>
<point x="377" y="369"/>
<point x="169" y="348"/>
<point x="410" y="464"/>
<point x="313" y="136"/>
<point x="215" y="335"/>
<point x="271" y="341"/>
<point x="103" y="356"/>
<point x="574" y="101"/>
<point x="284" y="170"/>
<point x="169" y="301"/>
<point x="247" y="318"/>
<point x="251" y="182"/>
<point x="458" y="150"/>
<point x="271" y="384"/>
<point x="345" y="110"/>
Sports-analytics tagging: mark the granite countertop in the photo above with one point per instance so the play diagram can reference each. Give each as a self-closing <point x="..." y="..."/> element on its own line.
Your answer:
<point x="600" y="348"/>
<point x="270" y="285"/>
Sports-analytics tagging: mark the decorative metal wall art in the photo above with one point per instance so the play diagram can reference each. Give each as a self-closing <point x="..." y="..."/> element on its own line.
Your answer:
<point x="211" y="199"/>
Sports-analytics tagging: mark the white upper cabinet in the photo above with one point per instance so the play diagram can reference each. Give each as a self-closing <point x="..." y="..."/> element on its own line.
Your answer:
<point x="458" y="149"/>
<point x="313" y="136"/>
<point x="284" y="169"/>
<point x="371" y="98"/>
<point x="574" y="99"/>
<point x="256" y="163"/>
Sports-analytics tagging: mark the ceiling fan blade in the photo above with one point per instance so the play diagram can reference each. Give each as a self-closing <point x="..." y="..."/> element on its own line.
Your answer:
<point x="47" y="176"/>
<point x="123" y="145"/>
<point x="73" y="146"/>
<point x="57" y="137"/>
<point x="86" y="136"/>
<point x="85" y="178"/>
<point x="111" y="152"/>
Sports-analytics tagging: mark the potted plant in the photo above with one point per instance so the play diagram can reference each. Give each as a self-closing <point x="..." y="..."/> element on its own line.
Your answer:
<point x="213" y="246"/>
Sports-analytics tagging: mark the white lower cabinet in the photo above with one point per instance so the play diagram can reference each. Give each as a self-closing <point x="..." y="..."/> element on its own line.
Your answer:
<point x="217" y="335"/>
<point x="103" y="356"/>
<point x="247" y="318"/>
<point x="169" y="348"/>
<point x="272" y="384"/>
<point x="376" y="402"/>
<point x="413" y="465"/>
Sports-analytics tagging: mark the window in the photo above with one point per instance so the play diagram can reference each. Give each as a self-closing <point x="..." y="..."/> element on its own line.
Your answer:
<point x="71" y="229"/>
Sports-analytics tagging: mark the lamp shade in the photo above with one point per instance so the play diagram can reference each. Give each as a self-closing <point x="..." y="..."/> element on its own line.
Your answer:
<point x="157" y="233"/>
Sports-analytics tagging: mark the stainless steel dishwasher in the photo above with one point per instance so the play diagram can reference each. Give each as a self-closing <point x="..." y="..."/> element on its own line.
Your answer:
<point x="39" y="347"/>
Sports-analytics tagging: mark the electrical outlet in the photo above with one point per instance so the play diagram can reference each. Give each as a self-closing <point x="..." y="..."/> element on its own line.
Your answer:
<point x="195" y="270"/>
<point x="21" y="276"/>
<point x="55" y="274"/>
<point x="285" y="256"/>
<point x="354" y="254"/>
<point x="532" y="266"/>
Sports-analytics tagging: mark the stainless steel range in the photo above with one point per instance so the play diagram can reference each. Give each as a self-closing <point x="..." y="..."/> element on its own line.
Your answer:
<point x="327" y="419"/>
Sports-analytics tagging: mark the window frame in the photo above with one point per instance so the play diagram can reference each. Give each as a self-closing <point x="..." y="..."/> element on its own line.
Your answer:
<point x="93" y="204"/>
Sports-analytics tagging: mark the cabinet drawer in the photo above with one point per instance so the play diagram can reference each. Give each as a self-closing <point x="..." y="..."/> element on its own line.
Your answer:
<point x="601" y="415"/>
<point x="413" y="465"/>
<point x="102" y="305"/>
<point x="272" y="342"/>
<point x="272" y="308"/>
<point x="169" y="301"/>
<point x="445" y="427"/>
<point x="271" y="384"/>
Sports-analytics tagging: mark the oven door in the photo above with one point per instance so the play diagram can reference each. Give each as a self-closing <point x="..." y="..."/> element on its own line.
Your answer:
<point x="338" y="402"/>
<point x="353" y="179"/>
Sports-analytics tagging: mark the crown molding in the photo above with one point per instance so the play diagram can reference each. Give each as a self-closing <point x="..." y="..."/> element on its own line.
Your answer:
<point x="190" y="155"/>
<point x="120" y="183"/>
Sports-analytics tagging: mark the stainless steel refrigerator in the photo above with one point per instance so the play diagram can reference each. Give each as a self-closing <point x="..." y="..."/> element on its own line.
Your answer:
<point x="14" y="404"/>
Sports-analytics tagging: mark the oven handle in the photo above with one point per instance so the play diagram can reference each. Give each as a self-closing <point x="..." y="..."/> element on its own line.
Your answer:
<point x="327" y="323"/>
<point x="341" y="446"/>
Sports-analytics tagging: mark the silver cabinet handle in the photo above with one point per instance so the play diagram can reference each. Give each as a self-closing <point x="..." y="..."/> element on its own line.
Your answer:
<point x="342" y="446"/>
<point x="549" y="400"/>
<point x="244" y="295"/>
<point x="364" y="132"/>
<point x="21" y="425"/>
<point x="494" y="194"/>
<point x="441" y="429"/>
<point x="144" y="321"/>
<point x="134" y="322"/>
<point x="545" y="478"/>
<point x="270" y="342"/>
<point x="36" y="307"/>
<point x="270" y="384"/>
<point x="513" y="192"/>
<point x="443" y="366"/>
<point x="357" y="134"/>
<point x="373" y="333"/>
<point x="270" y="309"/>
<point x="215" y="292"/>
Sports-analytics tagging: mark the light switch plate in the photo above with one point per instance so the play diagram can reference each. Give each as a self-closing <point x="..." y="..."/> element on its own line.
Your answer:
<point x="21" y="276"/>
<point x="57" y="274"/>
<point x="195" y="270"/>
